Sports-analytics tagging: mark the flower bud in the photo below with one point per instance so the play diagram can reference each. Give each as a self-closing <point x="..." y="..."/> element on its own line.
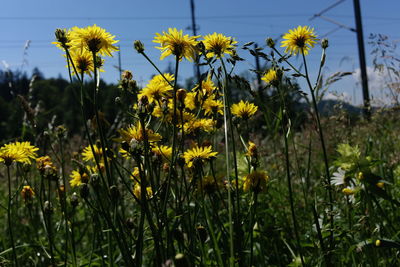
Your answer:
<point x="325" y="43"/>
<point x="139" y="46"/>
<point x="74" y="200"/>
<point x="48" y="208"/>
<point x="270" y="42"/>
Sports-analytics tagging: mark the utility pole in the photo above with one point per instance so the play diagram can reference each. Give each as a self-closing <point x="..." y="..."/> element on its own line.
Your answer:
<point x="361" y="50"/>
<point x="361" y="54"/>
<point x="194" y="29"/>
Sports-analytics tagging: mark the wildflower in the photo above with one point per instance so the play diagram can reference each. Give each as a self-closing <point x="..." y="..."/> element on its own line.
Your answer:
<point x="63" y="38"/>
<point x="339" y="177"/>
<point x="136" y="133"/>
<point x="207" y="86"/>
<point x="46" y="167"/>
<point x="300" y="39"/>
<point x="348" y="191"/>
<point x="83" y="62"/>
<point x="252" y="150"/>
<point x="135" y="176"/>
<point x="164" y="152"/>
<point x="270" y="76"/>
<point x="78" y="178"/>
<point x="88" y="154"/>
<point x="17" y="152"/>
<point x="218" y="44"/>
<point x="196" y="125"/>
<point x="94" y="39"/>
<point x="255" y="181"/>
<point x="198" y="154"/>
<point x="377" y="243"/>
<point x="27" y="193"/>
<point x="243" y="109"/>
<point x="137" y="191"/>
<point x="175" y="43"/>
<point x="212" y="106"/>
<point x="157" y="88"/>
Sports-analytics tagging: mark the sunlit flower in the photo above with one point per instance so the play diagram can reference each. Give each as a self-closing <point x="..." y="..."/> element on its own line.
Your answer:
<point x="207" y="86"/>
<point x="196" y="125"/>
<point x="17" y="152"/>
<point x="198" y="155"/>
<point x="212" y="106"/>
<point x="94" y="39"/>
<point x="243" y="109"/>
<point x="164" y="152"/>
<point x="255" y="181"/>
<point x="299" y="40"/>
<point x="27" y="193"/>
<point x="135" y="132"/>
<point x="157" y="88"/>
<point x="270" y="76"/>
<point x="78" y="177"/>
<point x="88" y="154"/>
<point x="217" y="44"/>
<point x="175" y="43"/>
<point x="83" y="62"/>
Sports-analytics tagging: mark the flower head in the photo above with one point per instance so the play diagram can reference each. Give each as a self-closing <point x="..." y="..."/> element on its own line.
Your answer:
<point x="63" y="38"/>
<point x="78" y="177"/>
<point x="135" y="132"/>
<point x="243" y="109"/>
<point x="217" y="45"/>
<point x="17" y="152"/>
<point x="299" y="40"/>
<point x="83" y="62"/>
<point x="198" y="154"/>
<point x="88" y="154"/>
<point x="175" y="43"/>
<point x="93" y="39"/>
<point x="27" y="193"/>
<point x="270" y="76"/>
<point x="163" y="152"/>
<point x="157" y="88"/>
<point x="255" y="181"/>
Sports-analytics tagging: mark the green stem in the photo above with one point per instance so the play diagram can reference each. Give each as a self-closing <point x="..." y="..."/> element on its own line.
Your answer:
<point x="9" y="217"/>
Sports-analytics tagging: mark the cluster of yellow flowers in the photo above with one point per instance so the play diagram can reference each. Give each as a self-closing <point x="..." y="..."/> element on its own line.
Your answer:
<point x="84" y="46"/>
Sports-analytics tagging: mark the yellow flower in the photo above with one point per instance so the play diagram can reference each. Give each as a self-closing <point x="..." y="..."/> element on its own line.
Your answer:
<point x="27" y="193"/>
<point x="243" y="109"/>
<point x="17" y="152"/>
<point x="380" y="185"/>
<point x="157" y="88"/>
<point x="270" y="76"/>
<point x="378" y="243"/>
<point x="136" y="133"/>
<point x="78" y="178"/>
<point x="46" y="167"/>
<point x="207" y="86"/>
<point x="167" y="113"/>
<point x="218" y="44"/>
<point x="175" y="43"/>
<point x="299" y="40"/>
<point x="88" y="153"/>
<point x="94" y="39"/>
<point x="198" y="155"/>
<point x="164" y="152"/>
<point x="83" y="62"/>
<point x="196" y="125"/>
<point x="255" y="181"/>
<point x="137" y="191"/>
<point x="348" y="191"/>
<point x="212" y="106"/>
<point x="252" y="150"/>
<point x="191" y="100"/>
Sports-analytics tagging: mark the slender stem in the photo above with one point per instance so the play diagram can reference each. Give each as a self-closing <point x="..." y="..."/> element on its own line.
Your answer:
<point x="9" y="217"/>
<point x="228" y="169"/>
<point x="252" y="218"/>
<point x="321" y="137"/>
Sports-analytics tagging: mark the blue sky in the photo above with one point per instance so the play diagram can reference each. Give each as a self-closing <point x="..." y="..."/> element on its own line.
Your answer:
<point x="251" y="20"/>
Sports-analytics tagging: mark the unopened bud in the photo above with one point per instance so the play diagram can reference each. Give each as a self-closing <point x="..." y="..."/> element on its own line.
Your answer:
<point x="325" y="43"/>
<point x="48" y="207"/>
<point x="84" y="191"/>
<point x="181" y="95"/>
<point x="270" y="42"/>
<point x="139" y="46"/>
<point x="74" y="200"/>
<point x="114" y="192"/>
<point x="127" y="75"/>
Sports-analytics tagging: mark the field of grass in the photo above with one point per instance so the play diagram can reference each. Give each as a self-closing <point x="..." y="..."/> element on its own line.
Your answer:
<point x="197" y="176"/>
